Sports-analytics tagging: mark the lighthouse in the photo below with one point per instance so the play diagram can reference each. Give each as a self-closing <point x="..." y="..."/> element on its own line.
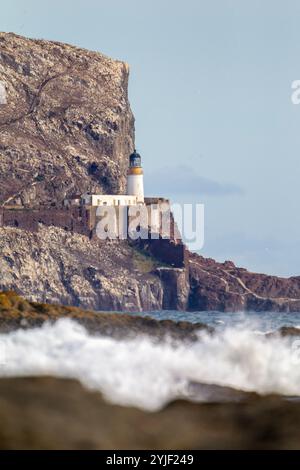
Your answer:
<point x="135" y="177"/>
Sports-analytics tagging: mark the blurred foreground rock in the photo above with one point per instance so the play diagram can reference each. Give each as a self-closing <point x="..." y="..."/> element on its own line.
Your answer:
<point x="49" y="413"/>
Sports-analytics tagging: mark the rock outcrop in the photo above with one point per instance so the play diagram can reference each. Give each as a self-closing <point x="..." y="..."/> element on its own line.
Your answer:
<point x="17" y="312"/>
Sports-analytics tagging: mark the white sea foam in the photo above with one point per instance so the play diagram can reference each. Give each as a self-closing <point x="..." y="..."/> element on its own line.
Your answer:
<point x="145" y="374"/>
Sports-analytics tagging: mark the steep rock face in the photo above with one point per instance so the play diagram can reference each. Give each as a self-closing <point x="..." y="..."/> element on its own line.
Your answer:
<point x="67" y="126"/>
<point x="55" y="266"/>
<point x="176" y="287"/>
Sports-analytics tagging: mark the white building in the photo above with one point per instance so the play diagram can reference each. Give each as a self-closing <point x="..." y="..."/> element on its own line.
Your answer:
<point x="109" y="200"/>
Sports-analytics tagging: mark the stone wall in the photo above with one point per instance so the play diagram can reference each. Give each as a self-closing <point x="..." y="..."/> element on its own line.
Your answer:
<point x="74" y="219"/>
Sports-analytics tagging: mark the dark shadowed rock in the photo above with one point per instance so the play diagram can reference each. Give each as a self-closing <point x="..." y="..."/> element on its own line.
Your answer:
<point x="285" y="331"/>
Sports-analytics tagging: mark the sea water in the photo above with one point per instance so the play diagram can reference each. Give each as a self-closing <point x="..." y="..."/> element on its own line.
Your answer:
<point x="264" y="321"/>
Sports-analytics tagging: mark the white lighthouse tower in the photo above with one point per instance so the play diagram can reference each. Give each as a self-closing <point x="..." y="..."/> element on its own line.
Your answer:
<point x="135" y="177"/>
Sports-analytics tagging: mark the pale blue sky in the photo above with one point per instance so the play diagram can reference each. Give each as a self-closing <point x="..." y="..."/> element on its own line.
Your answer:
<point x="210" y="88"/>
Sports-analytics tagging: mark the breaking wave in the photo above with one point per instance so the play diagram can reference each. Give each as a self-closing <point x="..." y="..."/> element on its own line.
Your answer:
<point x="148" y="374"/>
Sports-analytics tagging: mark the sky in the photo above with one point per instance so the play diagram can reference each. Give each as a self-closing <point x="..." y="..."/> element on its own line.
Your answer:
<point x="210" y="88"/>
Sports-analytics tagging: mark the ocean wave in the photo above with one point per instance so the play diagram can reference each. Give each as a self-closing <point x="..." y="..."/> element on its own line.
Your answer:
<point x="148" y="374"/>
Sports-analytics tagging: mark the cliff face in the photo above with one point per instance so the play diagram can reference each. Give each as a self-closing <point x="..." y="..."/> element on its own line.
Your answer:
<point x="67" y="126"/>
<point x="225" y="287"/>
<point x="54" y="266"/>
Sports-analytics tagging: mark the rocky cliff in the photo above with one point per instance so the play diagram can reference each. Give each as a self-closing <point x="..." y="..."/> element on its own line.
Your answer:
<point x="56" y="266"/>
<point x="67" y="127"/>
<point x="225" y="287"/>
<point x="53" y="265"/>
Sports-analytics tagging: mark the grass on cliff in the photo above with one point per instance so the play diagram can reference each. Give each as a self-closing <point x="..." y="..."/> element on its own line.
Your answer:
<point x="144" y="262"/>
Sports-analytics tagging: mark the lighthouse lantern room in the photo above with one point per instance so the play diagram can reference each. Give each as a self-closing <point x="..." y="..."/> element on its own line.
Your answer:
<point x="135" y="177"/>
